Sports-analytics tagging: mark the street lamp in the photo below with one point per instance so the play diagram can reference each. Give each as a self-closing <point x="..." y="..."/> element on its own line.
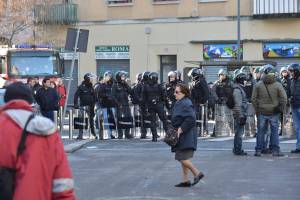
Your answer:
<point x="238" y="30"/>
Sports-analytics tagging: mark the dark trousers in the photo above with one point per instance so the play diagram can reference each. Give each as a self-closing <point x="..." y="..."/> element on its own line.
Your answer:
<point x="159" y="110"/>
<point x="48" y="114"/>
<point x="124" y="121"/>
<point x="91" y="114"/>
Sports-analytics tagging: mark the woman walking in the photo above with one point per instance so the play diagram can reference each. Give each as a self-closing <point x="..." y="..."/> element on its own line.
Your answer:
<point x="184" y="120"/>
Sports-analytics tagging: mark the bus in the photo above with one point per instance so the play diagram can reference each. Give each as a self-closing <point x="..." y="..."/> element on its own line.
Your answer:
<point x="20" y="63"/>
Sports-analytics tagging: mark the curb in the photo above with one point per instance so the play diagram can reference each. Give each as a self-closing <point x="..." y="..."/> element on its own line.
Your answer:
<point x="71" y="148"/>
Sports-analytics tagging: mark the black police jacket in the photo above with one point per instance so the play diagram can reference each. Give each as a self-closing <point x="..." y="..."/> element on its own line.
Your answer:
<point x="199" y="91"/>
<point x="223" y="89"/>
<point x="121" y="92"/>
<point x="136" y="96"/>
<point x="295" y="93"/>
<point x="105" y="96"/>
<point x="153" y="94"/>
<point x="170" y="97"/>
<point x="85" y="92"/>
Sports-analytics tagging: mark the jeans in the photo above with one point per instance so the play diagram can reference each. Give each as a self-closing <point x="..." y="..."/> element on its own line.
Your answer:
<point x="296" y="120"/>
<point x="48" y="114"/>
<point x="238" y="134"/>
<point x="264" y="121"/>
<point x="108" y="124"/>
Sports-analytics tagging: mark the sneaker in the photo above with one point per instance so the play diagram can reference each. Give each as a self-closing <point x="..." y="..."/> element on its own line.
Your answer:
<point x="295" y="151"/>
<point x="184" y="184"/>
<point x="198" y="178"/>
<point x="277" y="154"/>
<point x="257" y="154"/>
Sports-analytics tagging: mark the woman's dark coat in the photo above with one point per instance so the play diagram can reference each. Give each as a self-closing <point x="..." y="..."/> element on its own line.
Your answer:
<point x="184" y="117"/>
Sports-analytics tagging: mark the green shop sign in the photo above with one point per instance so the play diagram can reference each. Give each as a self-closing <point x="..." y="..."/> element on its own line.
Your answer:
<point x="112" y="52"/>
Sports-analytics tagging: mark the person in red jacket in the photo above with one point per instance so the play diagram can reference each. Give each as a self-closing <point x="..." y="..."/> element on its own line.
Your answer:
<point x="42" y="170"/>
<point x="62" y="92"/>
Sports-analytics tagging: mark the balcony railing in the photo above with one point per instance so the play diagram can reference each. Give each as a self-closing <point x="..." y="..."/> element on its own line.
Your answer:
<point x="271" y="8"/>
<point x="56" y="14"/>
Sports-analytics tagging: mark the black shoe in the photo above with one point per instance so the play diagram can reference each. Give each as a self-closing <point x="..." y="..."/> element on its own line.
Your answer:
<point x="295" y="151"/>
<point x="241" y="153"/>
<point x="198" y="178"/>
<point x="112" y="137"/>
<point x="277" y="154"/>
<point x="184" y="184"/>
<point x="79" y="138"/>
<point x="154" y="139"/>
<point x="266" y="151"/>
<point x="257" y="154"/>
<point x="129" y="137"/>
<point x="143" y="137"/>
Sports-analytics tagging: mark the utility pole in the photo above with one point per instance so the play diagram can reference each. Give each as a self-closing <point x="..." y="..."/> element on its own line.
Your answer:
<point x="238" y="30"/>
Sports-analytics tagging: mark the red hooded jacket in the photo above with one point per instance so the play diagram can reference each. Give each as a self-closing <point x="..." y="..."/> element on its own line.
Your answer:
<point x="62" y="92"/>
<point x="43" y="172"/>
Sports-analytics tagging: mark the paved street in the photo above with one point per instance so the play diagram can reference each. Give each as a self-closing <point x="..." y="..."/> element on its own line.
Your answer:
<point x="123" y="169"/>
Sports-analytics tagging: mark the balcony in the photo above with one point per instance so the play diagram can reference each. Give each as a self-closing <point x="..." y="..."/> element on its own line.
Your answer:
<point x="56" y="13"/>
<point x="276" y="8"/>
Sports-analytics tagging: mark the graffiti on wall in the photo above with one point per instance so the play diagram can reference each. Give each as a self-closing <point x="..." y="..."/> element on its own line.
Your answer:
<point x="281" y="50"/>
<point x="221" y="51"/>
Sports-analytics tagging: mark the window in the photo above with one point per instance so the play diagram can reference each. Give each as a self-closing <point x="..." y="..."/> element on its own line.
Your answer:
<point x="118" y="1"/>
<point x="163" y="0"/>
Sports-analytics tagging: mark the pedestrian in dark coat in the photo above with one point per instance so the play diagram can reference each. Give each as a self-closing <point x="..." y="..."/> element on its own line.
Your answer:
<point x="47" y="98"/>
<point x="184" y="120"/>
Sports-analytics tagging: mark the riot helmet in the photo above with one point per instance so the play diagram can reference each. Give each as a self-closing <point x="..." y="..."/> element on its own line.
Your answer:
<point x="107" y="76"/>
<point x="153" y="77"/>
<point x="195" y="74"/>
<point x="119" y="75"/>
<point x="87" y="77"/>
<point x="138" y="77"/>
<point x="294" y="68"/>
<point x="178" y="74"/>
<point x="240" y="78"/>
<point x="269" y="69"/>
<point x="172" y="74"/>
<point x="146" y="76"/>
<point x="223" y="72"/>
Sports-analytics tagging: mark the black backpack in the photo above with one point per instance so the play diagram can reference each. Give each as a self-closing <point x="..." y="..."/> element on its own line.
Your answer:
<point x="7" y="175"/>
<point x="230" y="101"/>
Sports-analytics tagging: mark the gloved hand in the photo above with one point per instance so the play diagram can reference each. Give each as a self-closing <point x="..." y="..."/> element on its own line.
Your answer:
<point x="242" y="121"/>
<point x="76" y="106"/>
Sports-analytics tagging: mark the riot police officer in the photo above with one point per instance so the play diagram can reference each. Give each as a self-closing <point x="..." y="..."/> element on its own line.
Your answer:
<point x="223" y="87"/>
<point x="108" y="103"/>
<point x="170" y="89"/>
<point x="85" y="93"/>
<point x="146" y="123"/>
<point x="154" y="98"/>
<point x="121" y="91"/>
<point x="285" y="81"/>
<point x="178" y="76"/>
<point x="249" y="82"/>
<point x="199" y="95"/>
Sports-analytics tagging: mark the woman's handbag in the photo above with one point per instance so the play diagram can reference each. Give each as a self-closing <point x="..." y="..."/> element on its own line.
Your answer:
<point x="171" y="137"/>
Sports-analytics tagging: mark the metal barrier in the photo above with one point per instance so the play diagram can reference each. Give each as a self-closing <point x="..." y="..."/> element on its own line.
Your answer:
<point x="288" y="126"/>
<point x="202" y="120"/>
<point x="250" y="126"/>
<point x="224" y="121"/>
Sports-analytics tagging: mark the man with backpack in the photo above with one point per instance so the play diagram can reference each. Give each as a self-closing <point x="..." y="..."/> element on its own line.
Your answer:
<point x="33" y="164"/>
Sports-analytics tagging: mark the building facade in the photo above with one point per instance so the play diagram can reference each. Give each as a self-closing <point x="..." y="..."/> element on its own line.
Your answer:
<point x="162" y="35"/>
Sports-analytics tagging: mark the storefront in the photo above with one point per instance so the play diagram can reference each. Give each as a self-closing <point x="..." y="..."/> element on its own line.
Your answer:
<point x="112" y="58"/>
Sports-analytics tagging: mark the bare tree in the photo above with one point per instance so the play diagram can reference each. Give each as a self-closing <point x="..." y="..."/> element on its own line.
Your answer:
<point x="17" y="19"/>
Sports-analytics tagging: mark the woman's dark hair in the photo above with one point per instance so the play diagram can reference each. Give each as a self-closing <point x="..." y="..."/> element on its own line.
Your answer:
<point x="184" y="89"/>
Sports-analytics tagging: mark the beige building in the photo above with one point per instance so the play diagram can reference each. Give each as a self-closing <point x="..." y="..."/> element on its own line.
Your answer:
<point x="161" y="35"/>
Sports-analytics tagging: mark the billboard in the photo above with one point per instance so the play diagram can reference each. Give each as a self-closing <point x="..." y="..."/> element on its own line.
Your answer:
<point x="281" y="50"/>
<point x="221" y="51"/>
